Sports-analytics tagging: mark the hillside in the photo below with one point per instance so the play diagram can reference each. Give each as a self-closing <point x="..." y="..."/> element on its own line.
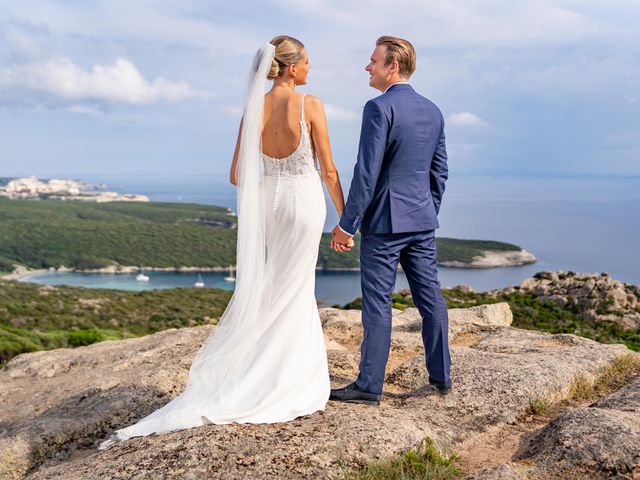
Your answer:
<point x="83" y="236"/>
<point x="42" y="317"/>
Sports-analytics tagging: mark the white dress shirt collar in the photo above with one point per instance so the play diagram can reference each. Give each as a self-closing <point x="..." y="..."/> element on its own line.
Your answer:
<point x="397" y="83"/>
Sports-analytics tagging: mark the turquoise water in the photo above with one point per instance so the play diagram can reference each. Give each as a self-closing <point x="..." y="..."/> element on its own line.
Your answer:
<point x="331" y="287"/>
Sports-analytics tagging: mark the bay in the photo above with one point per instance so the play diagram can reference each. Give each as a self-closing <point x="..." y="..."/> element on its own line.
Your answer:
<point x="582" y="224"/>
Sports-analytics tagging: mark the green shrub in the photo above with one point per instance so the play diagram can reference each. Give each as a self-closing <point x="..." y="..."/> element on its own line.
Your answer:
<point x="78" y="338"/>
<point x="70" y="316"/>
<point x="424" y="462"/>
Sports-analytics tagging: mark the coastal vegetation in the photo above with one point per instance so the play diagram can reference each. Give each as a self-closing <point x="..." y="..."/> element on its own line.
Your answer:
<point x="35" y="317"/>
<point x="89" y="235"/>
<point x="529" y="312"/>
<point x="425" y="462"/>
<point x="41" y="317"/>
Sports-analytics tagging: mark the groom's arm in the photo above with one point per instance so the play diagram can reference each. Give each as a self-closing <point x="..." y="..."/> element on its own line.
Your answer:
<point x="439" y="170"/>
<point x="373" y="142"/>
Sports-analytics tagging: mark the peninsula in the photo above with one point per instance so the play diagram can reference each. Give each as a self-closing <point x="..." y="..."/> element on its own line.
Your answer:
<point x="121" y="237"/>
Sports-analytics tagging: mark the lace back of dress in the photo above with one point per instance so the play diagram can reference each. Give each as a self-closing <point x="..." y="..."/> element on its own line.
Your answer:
<point x="301" y="162"/>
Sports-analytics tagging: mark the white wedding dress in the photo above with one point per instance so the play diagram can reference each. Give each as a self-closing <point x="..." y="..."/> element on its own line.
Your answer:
<point x="276" y="369"/>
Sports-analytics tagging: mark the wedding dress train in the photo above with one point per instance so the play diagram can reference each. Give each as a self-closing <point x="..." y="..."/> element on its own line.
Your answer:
<point x="276" y="369"/>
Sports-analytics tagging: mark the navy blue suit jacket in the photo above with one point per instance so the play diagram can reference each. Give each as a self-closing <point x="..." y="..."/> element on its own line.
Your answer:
<point x="398" y="180"/>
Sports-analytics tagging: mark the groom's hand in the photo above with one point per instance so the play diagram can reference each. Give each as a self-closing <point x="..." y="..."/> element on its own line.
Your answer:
<point x="342" y="242"/>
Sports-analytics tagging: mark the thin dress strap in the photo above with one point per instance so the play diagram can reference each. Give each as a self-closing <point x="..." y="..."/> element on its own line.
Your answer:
<point x="302" y="110"/>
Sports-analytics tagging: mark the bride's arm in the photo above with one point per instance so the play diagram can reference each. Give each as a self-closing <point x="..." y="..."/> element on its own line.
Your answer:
<point x="320" y="136"/>
<point x="233" y="173"/>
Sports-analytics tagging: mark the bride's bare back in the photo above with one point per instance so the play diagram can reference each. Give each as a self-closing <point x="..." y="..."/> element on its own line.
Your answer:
<point x="281" y="132"/>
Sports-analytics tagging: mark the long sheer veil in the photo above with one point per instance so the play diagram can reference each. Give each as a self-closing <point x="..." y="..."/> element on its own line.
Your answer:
<point x="239" y="325"/>
<point x="214" y="384"/>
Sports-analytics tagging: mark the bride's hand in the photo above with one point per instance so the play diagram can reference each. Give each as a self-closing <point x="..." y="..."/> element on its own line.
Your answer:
<point x="342" y="247"/>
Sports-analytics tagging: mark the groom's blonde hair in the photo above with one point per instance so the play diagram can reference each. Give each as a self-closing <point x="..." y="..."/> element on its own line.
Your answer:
<point x="401" y="51"/>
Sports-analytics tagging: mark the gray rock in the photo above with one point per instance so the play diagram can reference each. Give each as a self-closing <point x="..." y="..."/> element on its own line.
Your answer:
<point x="600" y="441"/>
<point x="480" y="318"/>
<point x="59" y="405"/>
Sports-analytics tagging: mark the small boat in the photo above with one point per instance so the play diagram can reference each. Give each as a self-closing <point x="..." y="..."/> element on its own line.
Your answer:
<point x="230" y="277"/>
<point x="141" y="277"/>
<point x="199" y="283"/>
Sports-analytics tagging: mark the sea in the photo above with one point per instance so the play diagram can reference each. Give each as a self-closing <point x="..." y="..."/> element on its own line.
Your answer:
<point x="573" y="223"/>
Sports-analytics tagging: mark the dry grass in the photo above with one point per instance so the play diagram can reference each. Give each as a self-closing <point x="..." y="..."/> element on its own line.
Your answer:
<point x="583" y="388"/>
<point x="618" y="373"/>
<point x="610" y="378"/>
<point x="537" y="406"/>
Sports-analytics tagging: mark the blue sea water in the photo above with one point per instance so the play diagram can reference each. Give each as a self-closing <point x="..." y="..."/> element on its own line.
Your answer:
<point x="583" y="224"/>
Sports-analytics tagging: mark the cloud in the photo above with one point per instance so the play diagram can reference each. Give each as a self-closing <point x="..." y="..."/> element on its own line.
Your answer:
<point x="532" y="68"/>
<point x="469" y="24"/>
<point x="192" y="23"/>
<point x="120" y="82"/>
<point x="340" y="114"/>
<point x="462" y="149"/>
<point x="232" y="110"/>
<point x="466" y="119"/>
<point x="336" y="114"/>
<point x="83" y="110"/>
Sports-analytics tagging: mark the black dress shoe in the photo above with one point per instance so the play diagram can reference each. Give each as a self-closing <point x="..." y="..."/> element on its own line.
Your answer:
<point x="352" y="394"/>
<point x="442" y="388"/>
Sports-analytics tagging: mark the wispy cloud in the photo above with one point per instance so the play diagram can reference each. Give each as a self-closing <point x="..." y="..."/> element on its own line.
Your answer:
<point x="466" y="119"/>
<point x="340" y="114"/>
<point x="232" y="110"/>
<point x="120" y="82"/>
<point x="83" y="110"/>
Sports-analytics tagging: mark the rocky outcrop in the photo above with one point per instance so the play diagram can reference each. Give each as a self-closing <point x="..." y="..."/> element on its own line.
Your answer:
<point x="596" y="297"/>
<point x="494" y="259"/>
<point x="59" y="405"/>
<point x="599" y="441"/>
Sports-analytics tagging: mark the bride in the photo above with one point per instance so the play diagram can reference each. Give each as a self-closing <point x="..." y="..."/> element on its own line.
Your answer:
<point x="265" y="361"/>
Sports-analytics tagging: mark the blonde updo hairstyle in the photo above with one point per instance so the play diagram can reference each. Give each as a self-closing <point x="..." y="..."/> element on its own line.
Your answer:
<point x="288" y="52"/>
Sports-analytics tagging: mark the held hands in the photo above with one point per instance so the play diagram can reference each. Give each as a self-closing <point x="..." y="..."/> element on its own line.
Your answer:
<point x="341" y="241"/>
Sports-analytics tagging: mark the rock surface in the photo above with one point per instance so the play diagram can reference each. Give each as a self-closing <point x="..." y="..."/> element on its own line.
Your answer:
<point x="599" y="441"/>
<point x="59" y="405"/>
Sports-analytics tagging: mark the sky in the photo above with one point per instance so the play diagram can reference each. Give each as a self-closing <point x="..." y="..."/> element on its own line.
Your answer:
<point x="119" y="88"/>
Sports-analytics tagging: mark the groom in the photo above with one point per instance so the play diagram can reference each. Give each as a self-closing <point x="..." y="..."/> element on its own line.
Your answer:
<point x="394" y="199"/>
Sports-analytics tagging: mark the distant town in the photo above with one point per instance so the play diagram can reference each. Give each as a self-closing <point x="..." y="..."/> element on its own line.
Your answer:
<point x="63" y="189"/>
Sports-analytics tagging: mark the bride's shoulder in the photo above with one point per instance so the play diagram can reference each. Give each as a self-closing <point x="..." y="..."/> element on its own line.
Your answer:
<point x="312" y="103"/>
